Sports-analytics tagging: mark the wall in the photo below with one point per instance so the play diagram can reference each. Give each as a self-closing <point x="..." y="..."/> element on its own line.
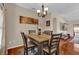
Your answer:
<point x="55" y="23"/>
<point x="60" y="20"/>
<point x="14" y="27"/>
<point x="10" y="24"/>
<point x="70" y="28"/>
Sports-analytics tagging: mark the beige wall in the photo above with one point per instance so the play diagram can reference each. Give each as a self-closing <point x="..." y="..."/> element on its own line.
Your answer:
<point x="55" y="23"/>
<point x="60" y="20"/>
<point x="70" y="28"/>
<point x="10" y="24"/>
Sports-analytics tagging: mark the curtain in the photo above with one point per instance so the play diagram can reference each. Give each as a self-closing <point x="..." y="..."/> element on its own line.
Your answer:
<point x="2" y="29"/>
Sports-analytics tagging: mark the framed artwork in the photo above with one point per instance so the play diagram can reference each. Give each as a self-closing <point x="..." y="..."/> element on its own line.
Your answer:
<point x="63" y="26"/>
<point x="28" y="20"/>
<point x="48" y="23"/>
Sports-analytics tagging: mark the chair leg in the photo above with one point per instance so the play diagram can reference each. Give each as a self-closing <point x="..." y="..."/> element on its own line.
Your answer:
<point x="44" y="53"/>
<point x="24" y="52"/>
<point x="56" y="53"/>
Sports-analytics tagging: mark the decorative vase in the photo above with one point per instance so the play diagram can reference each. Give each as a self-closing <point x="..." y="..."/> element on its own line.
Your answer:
<point x="39" y="31"/>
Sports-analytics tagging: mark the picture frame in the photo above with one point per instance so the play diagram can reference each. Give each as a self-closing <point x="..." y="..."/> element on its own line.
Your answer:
<point x="63" y="26"/>
<point x="48" y="23"/>
<point x="27" y="20"/>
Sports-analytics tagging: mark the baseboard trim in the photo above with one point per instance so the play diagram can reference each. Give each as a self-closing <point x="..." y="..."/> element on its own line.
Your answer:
<point x="14" y="50"/>
<point x="15" y="47"/>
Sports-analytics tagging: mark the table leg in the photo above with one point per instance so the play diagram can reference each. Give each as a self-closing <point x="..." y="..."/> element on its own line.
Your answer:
<point x="40" y="49"/>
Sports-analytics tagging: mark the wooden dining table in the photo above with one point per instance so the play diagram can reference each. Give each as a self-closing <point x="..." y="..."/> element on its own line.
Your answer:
<point x="39" y="40"/>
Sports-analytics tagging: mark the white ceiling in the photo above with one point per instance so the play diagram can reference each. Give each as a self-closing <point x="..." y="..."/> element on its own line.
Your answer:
<point x="69" y="11"/>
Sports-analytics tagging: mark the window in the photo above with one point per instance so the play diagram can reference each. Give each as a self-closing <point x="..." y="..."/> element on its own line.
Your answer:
<point x="76" y="30"/>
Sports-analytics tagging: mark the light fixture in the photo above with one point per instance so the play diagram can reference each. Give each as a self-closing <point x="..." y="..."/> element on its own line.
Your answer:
<point x="43" y="12"/>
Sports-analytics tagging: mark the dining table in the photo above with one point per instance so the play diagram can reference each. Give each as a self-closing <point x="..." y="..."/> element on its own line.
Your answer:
<point x="39" y="40"/>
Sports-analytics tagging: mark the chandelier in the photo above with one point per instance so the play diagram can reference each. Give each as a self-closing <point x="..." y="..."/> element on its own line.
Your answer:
<point x="43" y="12"/>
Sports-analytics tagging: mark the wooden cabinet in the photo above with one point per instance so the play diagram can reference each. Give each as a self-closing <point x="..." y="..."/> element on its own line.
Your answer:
<point x="28" y="20"/>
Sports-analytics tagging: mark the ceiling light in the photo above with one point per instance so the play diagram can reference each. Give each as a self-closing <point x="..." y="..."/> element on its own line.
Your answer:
<point x="43" y="12"/>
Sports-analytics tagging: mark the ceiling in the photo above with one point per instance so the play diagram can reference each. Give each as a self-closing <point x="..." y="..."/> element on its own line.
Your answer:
<point x="70" y="11"/>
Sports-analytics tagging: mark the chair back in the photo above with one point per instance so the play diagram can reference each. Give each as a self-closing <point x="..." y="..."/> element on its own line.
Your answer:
<point x="54" y="42"/>
<point x="24" y="39"/>
<point x="32" y="31"/>
<point x="47" y="32"/>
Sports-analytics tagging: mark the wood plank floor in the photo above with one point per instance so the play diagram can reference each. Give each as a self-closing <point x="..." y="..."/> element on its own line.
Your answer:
<point x="66" y="48"/>
<point x="69" y="48"/>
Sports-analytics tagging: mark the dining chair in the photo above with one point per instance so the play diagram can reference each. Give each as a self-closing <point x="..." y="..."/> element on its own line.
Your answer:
<point x="48" y="32"/>
<point x="27" y="46"/>
<point x="53" y="45"/>
<point x="32" y="31"/>
<point x="46" y="43"/>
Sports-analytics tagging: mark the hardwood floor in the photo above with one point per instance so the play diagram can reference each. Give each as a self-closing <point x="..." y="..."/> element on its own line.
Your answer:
<point x="66" y="48"/>
<point x="69" y="48"/>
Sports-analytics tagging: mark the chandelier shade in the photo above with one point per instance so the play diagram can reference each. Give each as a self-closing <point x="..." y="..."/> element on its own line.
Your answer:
<point x="43" y="12"/>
